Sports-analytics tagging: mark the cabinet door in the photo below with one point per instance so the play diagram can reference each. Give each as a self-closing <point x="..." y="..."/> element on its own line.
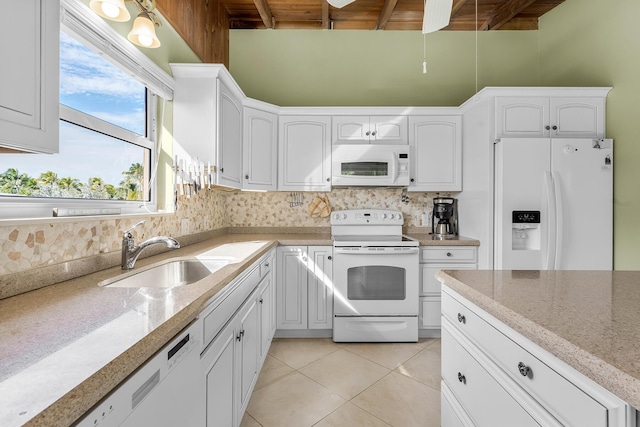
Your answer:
<point x="219" y="363"/>
<point x="436" y="160"/>
<point x="351" y="130"/>
<point x="248" y="343"/>
<point x="522" y="117"/>
<point x="259" y="149"/>
<point x="304" y="153"/>
<point x="29" y="82"/>
<point x="577" y="117"/>
<point x="229" y="139"/>
<point x="320" y="279"/>
<point x="291" y="299"/>
<point x="429" y="313"/>
<point x="429" y="285"/>
<point x="388" y="129"/>
<point x="265" y="298"/>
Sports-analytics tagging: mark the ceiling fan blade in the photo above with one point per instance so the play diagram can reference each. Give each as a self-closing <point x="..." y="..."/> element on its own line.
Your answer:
<point x="339" y="3"/>
<point x="437" y="14"/>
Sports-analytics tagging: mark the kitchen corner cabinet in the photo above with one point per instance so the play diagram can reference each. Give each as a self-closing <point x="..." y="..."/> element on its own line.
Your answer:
<point x="304" y="296"/>
<point x="304" y="153"/>
<point x="550" y="117"/>
<point x="207" y="120"/>
<point x="29" y="82"/>
<point x="369" y="130"/>
<point x="436" y="158"/>
<point x="492" y="375"/>
<point x="260" y="139"/>
<point x="432" y="259"/>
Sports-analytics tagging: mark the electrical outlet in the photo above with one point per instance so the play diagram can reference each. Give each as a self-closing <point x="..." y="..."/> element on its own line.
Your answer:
<point x="184" y="227"/>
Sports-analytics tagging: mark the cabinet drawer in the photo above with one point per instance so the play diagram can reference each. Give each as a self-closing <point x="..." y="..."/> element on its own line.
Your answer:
<point x="218" y="312"/>
<point x="486" y="402"/>
<point x="562" y="398"/>
<point x="448" y="254"/>
<point x="266" y="265"/>
<point x="429" y="285"/>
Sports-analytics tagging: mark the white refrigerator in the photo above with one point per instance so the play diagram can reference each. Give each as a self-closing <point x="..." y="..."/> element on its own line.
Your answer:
<point x="553" y="204"/>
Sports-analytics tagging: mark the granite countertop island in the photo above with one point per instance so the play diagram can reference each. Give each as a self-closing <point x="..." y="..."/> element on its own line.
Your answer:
<point x="588" y="319"/>
<point x="65" y="346"/>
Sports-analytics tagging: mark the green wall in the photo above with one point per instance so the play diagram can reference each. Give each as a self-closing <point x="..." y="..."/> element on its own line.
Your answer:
<point x="597" y="43"/>
<point x="371" y="68"/>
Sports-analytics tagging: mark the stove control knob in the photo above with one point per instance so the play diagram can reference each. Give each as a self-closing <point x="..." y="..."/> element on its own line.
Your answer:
<point x="336" y="216"/>
<point x="392" y="216"/>
<point x="344" y="216"/>
<point x="399" y="216"/>
<point x="384" y="216"/>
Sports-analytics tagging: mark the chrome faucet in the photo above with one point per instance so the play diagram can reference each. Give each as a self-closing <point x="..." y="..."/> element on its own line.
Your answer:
<point x="130" y="251"/>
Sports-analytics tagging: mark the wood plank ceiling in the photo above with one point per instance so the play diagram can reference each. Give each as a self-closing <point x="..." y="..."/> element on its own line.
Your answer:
<point x="383" y="14"/>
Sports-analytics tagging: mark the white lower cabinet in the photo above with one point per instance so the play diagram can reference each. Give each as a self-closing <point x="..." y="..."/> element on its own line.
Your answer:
<point x="432" y="259"/>
<point x="496" y="376"/>
<point x="232" y="358"/>
<point x="304" y="291"/>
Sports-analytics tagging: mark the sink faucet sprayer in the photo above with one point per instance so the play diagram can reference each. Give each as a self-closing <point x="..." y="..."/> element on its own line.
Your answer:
<point x="130" y="251"/>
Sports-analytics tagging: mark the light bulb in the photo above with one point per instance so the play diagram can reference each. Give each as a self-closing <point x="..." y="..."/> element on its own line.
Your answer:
<point x="110" y="10"/>
<point x="424" y="67"/>
<point x="144" y="40"/>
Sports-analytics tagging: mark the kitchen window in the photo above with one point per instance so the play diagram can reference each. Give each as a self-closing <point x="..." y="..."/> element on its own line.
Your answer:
<point x="108" y="119"/>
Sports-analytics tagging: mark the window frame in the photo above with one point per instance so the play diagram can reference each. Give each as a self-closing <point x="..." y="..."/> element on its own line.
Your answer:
<point x="79" y="22"/>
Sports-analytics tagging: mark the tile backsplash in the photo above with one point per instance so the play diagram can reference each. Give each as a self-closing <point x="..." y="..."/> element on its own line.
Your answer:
<point x="52" y="242"/>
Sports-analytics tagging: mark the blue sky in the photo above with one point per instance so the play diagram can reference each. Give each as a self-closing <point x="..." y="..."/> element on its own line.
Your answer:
<point x="90" y="84"/>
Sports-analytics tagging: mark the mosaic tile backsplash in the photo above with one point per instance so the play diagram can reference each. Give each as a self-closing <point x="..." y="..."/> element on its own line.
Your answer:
<point x="48" y="243"/>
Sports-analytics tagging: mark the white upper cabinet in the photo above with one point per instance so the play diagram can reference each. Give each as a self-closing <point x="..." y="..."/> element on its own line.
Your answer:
<point x="544" y="117"/>
<point x="229" y="145"/>
<point x="29" y="82"/>
<point x="260" y="144"/>
<point x="207" y="119"/>
<point x="304" y="153"/>
<point x="369" y="130"/>
<point x="436" y="153"/>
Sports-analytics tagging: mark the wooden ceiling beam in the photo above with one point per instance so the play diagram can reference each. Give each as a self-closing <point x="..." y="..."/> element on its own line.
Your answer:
<point x="385" y="13"/>
<point x="326" y="23"/>
<point x="265" y="13"/>
<point x="505" y="13"/>
<point x="457" y="5"/>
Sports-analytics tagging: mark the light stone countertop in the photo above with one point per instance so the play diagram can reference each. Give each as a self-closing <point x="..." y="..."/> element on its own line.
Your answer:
<point x="66" y="346"/>
<point x="588" y="319"/>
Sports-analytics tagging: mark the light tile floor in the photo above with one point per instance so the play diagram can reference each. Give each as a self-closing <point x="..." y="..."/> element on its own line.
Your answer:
<point x="316" y="382"/>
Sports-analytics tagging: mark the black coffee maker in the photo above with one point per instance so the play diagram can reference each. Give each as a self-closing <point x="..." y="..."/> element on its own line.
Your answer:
<point x="444" y="222"/>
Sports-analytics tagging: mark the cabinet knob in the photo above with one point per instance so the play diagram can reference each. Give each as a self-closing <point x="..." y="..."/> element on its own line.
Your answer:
<point x="462" y="378"/>
<point x="328" y="179"/>
<point x="261" y="301"/>
<point x="461" y="318"/>
<point x="373" y="133"/>
<point x="554" y="127"/>
<point x="412" y="180"/>
<point x="449" y="254"/>
<point x="329" y="258"/>
<point x="368" y="133"/>
<point x="246" y="177"/>
<point x="222" y="170"/>
<point x="238" y="337"/>
<point x="524" y="369"/>
<point x="266" y="265"/>
<point x="547" y="127"/>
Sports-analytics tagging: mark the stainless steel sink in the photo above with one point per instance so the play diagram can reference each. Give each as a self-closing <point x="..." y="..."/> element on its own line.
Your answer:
<point x="169" y="274"/>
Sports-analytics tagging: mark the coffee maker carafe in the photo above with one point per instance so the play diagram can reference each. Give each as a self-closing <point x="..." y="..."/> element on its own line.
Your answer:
<point x="444" y="222"/>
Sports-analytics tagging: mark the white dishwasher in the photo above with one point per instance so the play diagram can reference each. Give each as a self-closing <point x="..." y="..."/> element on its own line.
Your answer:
<point x="167" y="390"/>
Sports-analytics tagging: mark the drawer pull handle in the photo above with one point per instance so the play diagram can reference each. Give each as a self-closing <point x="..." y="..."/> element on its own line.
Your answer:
<point x="449" y="254"/>
<point x="461" y="318"/>
<point x="462" y="378"/>
<point x="524" y="369"/>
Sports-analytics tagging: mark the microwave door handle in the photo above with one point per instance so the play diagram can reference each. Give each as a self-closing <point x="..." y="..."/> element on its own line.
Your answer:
<point x="394" y="167"/>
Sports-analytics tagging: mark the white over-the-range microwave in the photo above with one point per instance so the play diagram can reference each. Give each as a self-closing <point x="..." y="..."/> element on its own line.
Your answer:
<point x="369" y="165"/>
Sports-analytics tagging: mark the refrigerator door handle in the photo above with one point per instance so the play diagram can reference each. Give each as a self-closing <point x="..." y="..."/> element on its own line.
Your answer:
<point x="551" y="222"/>
<point x="558" y="214"/>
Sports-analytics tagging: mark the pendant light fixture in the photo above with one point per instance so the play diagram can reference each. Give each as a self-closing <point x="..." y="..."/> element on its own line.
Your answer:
<point x="143" y="32"/>
<point x="114" y="10"/>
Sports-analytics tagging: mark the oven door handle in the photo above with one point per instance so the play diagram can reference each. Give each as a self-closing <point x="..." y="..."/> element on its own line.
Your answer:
<point x="365" y="251"/>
